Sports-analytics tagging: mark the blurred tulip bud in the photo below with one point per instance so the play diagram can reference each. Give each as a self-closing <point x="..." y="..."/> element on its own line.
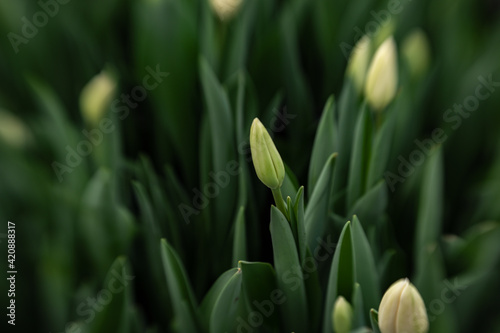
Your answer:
<point x="342" y="316"/>
<point x="402" y="310"/>
<point x="382" y="76"/>
<point x="13" y="131"/>
<point x="358" y="63"/>
<point x="96" y="96"/>
<point x="415" y="49"/>
<point x="225" y="9"/>
<point x="266" y="159"/>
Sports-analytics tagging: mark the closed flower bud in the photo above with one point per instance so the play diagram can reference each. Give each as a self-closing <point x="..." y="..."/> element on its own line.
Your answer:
<point x="415" y="49"/>
<point x="96" y="96"/>
<point x="225" y="9"/>
<point x="358" y="63"/>
<point x="382" y="76"/>
<point x="402" y="310"/>
<point x="266" y="159"/>
<point x="13" y="131"/>
<point x="342" y="316"/>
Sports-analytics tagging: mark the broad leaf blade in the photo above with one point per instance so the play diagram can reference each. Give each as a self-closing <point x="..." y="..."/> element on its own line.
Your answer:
<point x="289" y="274"/>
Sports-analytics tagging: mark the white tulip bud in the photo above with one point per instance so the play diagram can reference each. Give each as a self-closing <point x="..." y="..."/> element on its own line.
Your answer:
<point x="382" y="76"/>
<point x="342" y="316"/>
<point x="13" y="131"/>
<point x="358" y="62"/>
<point x="225" y="9"/>
<point x="96" y="96"/>
<point x="402" y="310"/>
<point x="266" y="158"/>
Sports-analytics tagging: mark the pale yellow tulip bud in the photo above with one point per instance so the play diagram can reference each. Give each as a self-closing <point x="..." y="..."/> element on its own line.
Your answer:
<point x="96" y="97"/>
<point x="402" y="310"/>
<point x="226" y="9"/>
<point x="342" y="316"/>
<point x="266" y="158"/>
<point x="358" y="62"/>
<point x="382" y="77"/>
<point x="13" y="131"/>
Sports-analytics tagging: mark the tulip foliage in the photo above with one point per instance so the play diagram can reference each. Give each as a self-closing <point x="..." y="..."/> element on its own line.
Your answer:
<point x="252" y="166"/>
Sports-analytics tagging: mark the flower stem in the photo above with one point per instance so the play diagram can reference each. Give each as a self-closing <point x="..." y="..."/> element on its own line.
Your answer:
<point x="278" y="199"/>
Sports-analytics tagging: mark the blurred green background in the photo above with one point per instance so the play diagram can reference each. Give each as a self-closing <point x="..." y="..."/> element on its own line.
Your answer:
<point x="272" y="58"/>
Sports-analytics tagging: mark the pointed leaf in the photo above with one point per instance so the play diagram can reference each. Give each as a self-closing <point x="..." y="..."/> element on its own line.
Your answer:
<point x="364" y="267"/>
<point x="289" y="274"/>
<point x="325" y="143"/>
<point x="225" y="311"/>
<point x="360" y="157"/>
<point x="341" y="278"/>
<point x="179" y="289"/>
<point x="317" y="211"/>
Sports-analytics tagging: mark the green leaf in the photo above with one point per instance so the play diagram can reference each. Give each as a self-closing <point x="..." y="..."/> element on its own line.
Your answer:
<point x="153" y="23"/>
<point x="365" y="271"/>
<point x="290" y="184"/>
<point x="179" y="289"/>
<point x="289" y="274"/>
<point x="430" y="208"/>
<point x="220" y="116"/>
<point x="298" y="213"/>
<point x="239" y="240"/>
<point x="341" y="278"/>
<point x="208" y="303"/>
<point x="317" y="211"/>
<point x="225" y="311"/>
<point x="313" y="289"/>
<point x="374" y="320"/>
<point x="359" y="318"/>
<point x="480" y="251"/>
<point x="381" y="149"/>
<point x="222" y="137"/>
<point x="114" y="316"/>
<point x="430" y="284"/>
<point x="358" y="168"/>
<point x="151" y="234"/>
<point x="348" y="110"/>
<point x="239" y="39"/>
<point x="325" y="143"/>
<point x="372" y="204"/>
<point x="259" y="285"/>
<point x="96" y="218"/>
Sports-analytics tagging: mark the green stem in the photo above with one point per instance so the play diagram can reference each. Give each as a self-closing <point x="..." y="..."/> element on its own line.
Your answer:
<point x="278" y="199"/>
<point x="379" y="119"/>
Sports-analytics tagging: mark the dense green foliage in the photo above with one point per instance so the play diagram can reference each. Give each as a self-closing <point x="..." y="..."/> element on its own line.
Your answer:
<point x="161" y="224"/>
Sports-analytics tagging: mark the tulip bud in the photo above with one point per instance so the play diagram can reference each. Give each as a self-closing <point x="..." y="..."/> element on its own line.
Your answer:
<point x="225" y="9"/>
<point x="342" y="316"/>
<point x="358" y="63"/>
<point x="415" y="49"/>
<point x="13" y="131"/>
<point x="382" y="77"/>
<point x="96" y="96"/>
<point x="266" y="159"/>
<point x="402" y="310"/>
